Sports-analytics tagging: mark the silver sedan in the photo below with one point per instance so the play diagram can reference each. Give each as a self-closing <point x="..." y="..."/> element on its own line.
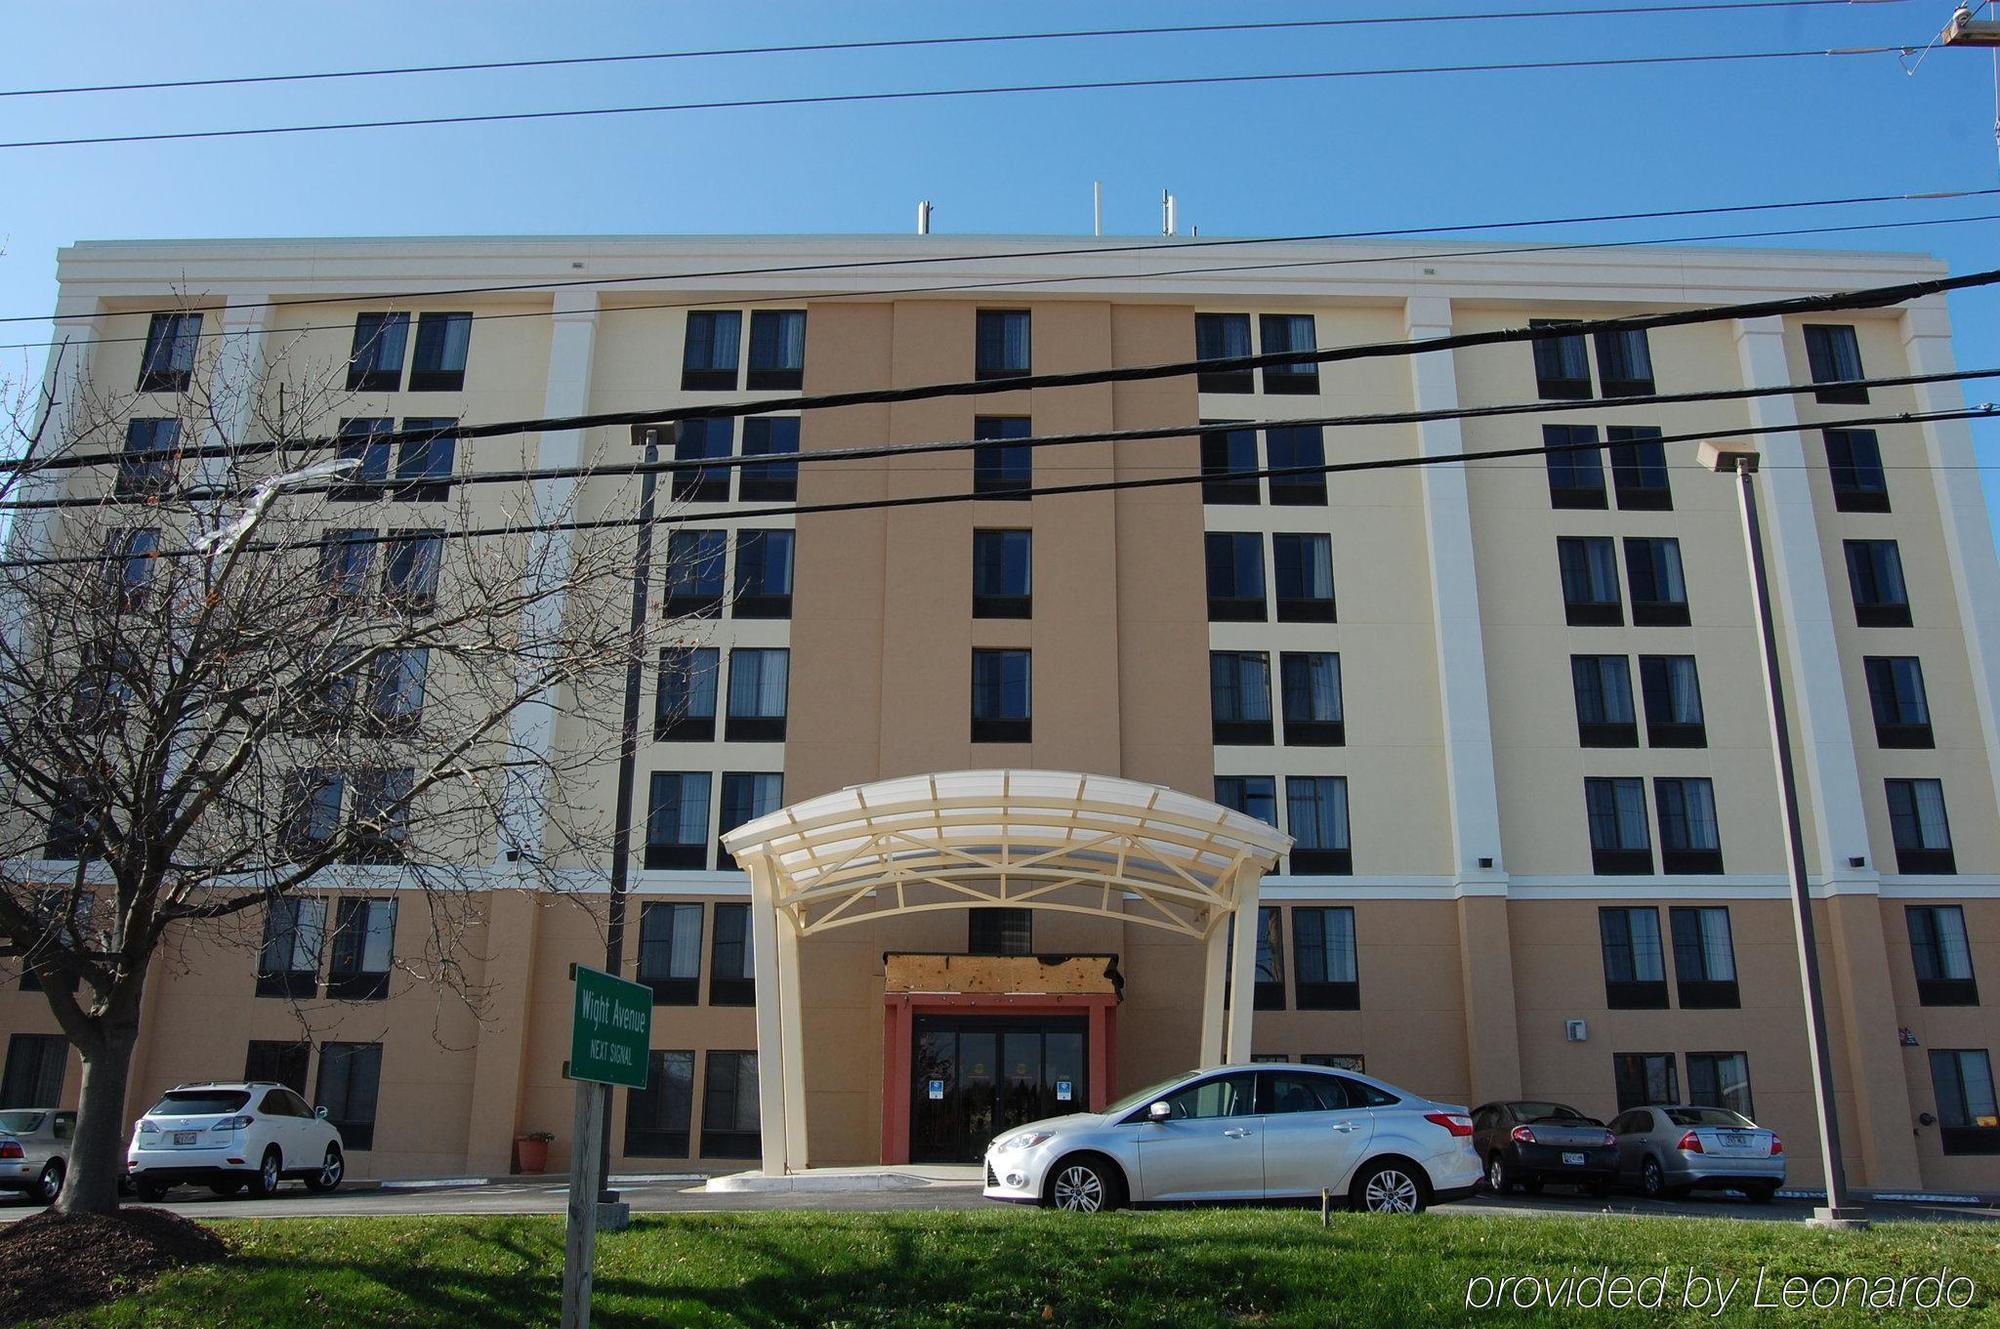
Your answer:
<point x="1668" y="1151"/>
<point x="1244" y="1133"/>
<point x="34" y="1150"/>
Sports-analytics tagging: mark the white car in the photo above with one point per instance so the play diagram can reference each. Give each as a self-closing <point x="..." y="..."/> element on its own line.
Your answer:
<point x="233" y="1134"/>
<point x="1244" y="1133"/>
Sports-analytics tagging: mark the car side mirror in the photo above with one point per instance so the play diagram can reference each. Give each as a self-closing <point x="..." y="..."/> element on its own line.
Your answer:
<point x="1159" y="1112"/>
<point x="320" y="1113"/>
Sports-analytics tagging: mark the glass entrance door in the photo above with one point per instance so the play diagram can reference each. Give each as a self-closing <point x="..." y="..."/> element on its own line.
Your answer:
<point x="978" y="1076"/>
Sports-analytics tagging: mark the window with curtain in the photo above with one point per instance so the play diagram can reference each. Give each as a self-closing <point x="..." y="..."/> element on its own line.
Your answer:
<point x="410" y="563"/>
<point x="1562" y="363"/>
<point x="1576" y="471"/>
<point x="1325" y="974"/>
<point x="168" y="362"/>
<point x="36" y="1065"/>
<point x="1834" y="355"/>
<point x="396" y="688"/>
<point x="1239" y="696"/>
<point x="1689" y="839"/>
<point x="777" y="349"/>
<point x="350" y="1081"/>
<point x="1704" y="957"/>
<point x="694" y="573"/>
<point x="729" y="1127"/>
<point x="677" y="820"/>
<point x="1639" y="468"/>
<point x="758" y="681"/>
<point x="1919" y="827"/>
<point x="1854" y="465"/>
<point x="1003" y="340"/>
<point x="294" y="938"/>
<point x="439" y="362"/>
<point x="1720" y="1080"/>
<point x="746" y="796"/>
<point x="1635" y="976"/>
<point x="1645" y="1078"/>
<point x="1316" y="817"/>
<point x="1896" y="694"/>
<point x="684" y="707"/>
<point x="279" y="1061"/>
<point x="708" y="358"/>
<point x="379" y="822"/>
<point x="1252" y="795"/>
<point x="732" y="976"/>
<point x="364" y="949"/>
<point x="1268" y="985"/>
<point x="1620" y="841"/>
<point x="1315" y="715"/>
<point x="1589" y="567"/>
<point x="1624" y="363"/>
<point x="1001" y="470"/>
<point x="670" y="952"/>
<point x="1302" y="575"/>
<point x="1223" y="337"/>
<point x="763" y="575"/>
<point x="1968" y="1120"/>
<point x="1229" y="465"/>
<point x="311" y="812"/>
<point x="1002" y="697"/>
<point x="1300" y="446"/>
<point x="1002" y="574"/>
<point x="1659" y="591"/>
<point x="1672" y="689"/>
<point x="375" y="364"/>
<point x="1875" y="576"/>
<point x="364" y="440"/>
<point x="999" y="932"/>
<point x="777" y="480"/>
<point x="1235" y="567"/>
<point x="1603" y="688"/>
<point x="129" y="553"/>
<point x="699" y="441"/>
<point x="344" y="560"/>
<point x="152" y="448"/>
<point x="1942" y="954"/>
<point x="658" y="1117"/>
<point x="1288" y="332"/>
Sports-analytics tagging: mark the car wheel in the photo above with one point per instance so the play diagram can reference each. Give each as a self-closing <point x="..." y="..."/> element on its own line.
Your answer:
<point x="225" y="1189"/>
<point x="1653" y="1180"/>
<point x="265" y="1184"/>
<point x="152" y="1192"/>
<point x="49" y="1185"/>
<point x="1498" y="1178"/>
<point x="1085" y="1186"/>
<point x="330" y="1172"/>
<point x="1390" y="1188"/>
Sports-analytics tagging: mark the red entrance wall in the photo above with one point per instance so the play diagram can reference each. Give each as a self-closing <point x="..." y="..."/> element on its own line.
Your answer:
<point x="899" y="1012"/>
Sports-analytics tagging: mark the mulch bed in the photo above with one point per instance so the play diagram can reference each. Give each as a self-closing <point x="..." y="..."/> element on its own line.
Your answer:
<point x="52" y="1264"/>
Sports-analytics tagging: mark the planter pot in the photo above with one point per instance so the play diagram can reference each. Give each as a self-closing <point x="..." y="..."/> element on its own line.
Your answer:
<point x="531" y="1155"/>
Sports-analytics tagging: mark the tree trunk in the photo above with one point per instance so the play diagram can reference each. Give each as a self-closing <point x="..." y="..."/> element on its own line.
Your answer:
<point x="97" y="1152"/>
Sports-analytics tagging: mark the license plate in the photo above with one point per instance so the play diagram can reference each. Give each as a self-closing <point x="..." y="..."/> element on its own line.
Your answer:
<point x="1573" y="1160"/>
<point x="1736" y="1139"/>
<point x="184" y="1137"/>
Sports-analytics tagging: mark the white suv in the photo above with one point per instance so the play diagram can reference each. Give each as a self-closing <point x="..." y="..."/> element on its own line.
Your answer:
<point x="231" y="1134"/>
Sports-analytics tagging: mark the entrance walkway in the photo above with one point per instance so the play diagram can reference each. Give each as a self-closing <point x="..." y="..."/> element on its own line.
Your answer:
<point x="900" y="1177"/>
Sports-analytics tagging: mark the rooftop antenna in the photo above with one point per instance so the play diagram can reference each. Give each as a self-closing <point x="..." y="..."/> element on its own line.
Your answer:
<point x="924" y="217"/>
<point x="1097" y="207"/>
<point x="1166" y="213"/>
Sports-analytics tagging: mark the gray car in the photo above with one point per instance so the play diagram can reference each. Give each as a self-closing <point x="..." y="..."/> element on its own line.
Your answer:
<point x="1668" y="1151"/>
<point x="34" y="1150"/>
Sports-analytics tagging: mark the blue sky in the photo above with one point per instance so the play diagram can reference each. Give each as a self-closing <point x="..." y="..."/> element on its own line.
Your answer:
<point x="1243" y="160"/>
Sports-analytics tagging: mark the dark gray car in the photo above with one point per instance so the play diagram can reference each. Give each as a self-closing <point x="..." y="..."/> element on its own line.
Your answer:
<point x="1668" y="1151"/>
<point x="1527" y="1143"/>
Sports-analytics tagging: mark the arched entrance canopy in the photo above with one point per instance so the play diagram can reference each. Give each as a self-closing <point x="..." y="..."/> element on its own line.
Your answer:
<point x="1048" y="840"/>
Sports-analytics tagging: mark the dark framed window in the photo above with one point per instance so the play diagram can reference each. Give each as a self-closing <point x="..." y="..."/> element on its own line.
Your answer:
<point x="74" y="824"/>
<point x="1004" y="347"/>
<point x="1942" y="955"/>
<point x="746" y="796"/>
<point x="1229" y="465"/>
<point x="1235" y="562"/>
<point x="345" y="557"/>
<point x="1603" y="687"/>
<point x="1223" y="337"/>
<point x="439" y="362"/>
<point x="1896" y="695"/>
<point x="277" y="1061"/>
<point x="1690" y="841"/>
<point x="410" y="566"/>
<point x="313" y="798"/>
<point x="999" y="932"/>
<point x="684" y="707"/>
<point x="1635" y="975"/>
<point x="1315" y="714"/>
<point x="1918" y="824"/>
<point x="379" y="822"/>
<point x="732" y="975"/>
<point x="36" y="1064"/>
<point x="1645" y="1078"/>
<point x="1324" y="969"/>
<point x="1659" y="591"/>
<point x="694" y="573"/>
<point x="729" y="1126"/>
<point x="1301" y="447"/>
<point x="364" y="949"/>
<point x="152" y="450"/>
<point x="1704" y="958"/>
<point x="670" y="952"/>
<point x="1239" y="696"/>
<point x="294" y="937"/>
<point x="1720" y="1080"/>
<point x="1875" y="576"/>
<point x="1302" y="576"/>
<point x="1589" y="567"/>
<point x="1854" y="465"/>
<point x="1576" y="472"/>
<point x="375" y="364"/>
<point x="365" y="441"/>
<point x="1252" y="795"/>
<point x="1968" y="1120"/>
<point x="658" y="1117"/>
<point x="1288" y="332"/>
<point x="1003" y="574"/>
<point x="777" y="349"/>
<point x="1002" y="697"/>
<point x="1620" y="840"/>
<point x="350" y="1082"/>
<point x="763" y="575"/>
<point x="708" y="358"/>
<point x="129" y="554"/>
<point x="1639" y="468"/>
<point x="1672" y="689"/>
<point x="1833" y="355"/>
<point x="424" y="465"/>
<point x="396" y="682"/>
<point x="168" y="363"/>
<point x="1316" y="816"/>
<point x="699" y="441"/>
<point x="1562" y="364"/>
<point x="1269" y="992"/>
<point x="777" y="480"/>
<point x="1340" y="1061"/>
<point x="1001" y="470"/>
<point x="1624" y="363"/>
<point x="677" y="820"/>
<point x="759" y="681"/>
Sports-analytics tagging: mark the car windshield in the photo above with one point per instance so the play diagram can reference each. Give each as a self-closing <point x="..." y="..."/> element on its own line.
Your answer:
<point x="199" y="1102"/>
<point x="20" y="1123"/>
<point x="1146" y="1095"/>
<point x="1708" y="1116"/>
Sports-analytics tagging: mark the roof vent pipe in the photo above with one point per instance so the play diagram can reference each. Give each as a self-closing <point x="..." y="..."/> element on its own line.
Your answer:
<point x="924" y="217"/>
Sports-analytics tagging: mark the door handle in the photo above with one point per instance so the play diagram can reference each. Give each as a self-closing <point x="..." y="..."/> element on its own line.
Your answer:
<point x="1345" y="1127"/>
<point x="1237" y="1133"/>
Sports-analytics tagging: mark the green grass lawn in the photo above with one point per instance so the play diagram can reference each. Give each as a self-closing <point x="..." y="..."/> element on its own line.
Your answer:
<point x="1212" y="1267"/>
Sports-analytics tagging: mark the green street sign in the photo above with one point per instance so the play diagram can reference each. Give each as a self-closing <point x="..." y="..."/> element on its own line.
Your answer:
<point x="611" y="1031"/>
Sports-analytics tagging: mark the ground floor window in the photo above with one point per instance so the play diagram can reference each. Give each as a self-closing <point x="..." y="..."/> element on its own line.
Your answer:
<point x="1720" y="1079"/>
<point x="1645" y="1078"/>
<point x="350" y="1078"/>
<point x="729" y="1127"/>
<point x="278" y="1062"/>
<point x="1963" y="1080"/>
<point x="1340" y="1061"/>
<point x="35" y="1067"/>
<point x="656" y="1117"/>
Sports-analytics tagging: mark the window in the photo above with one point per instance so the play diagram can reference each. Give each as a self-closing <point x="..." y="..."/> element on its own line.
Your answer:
<point x="1624" y="363"/>
<point x="1314" y="713"/>
<point x="1001" y="697"/>
<point x="1942" y="955"/>
<point x="364" y="944"/>
<point x="698" y="441"/>
<point x="376" y="362"/>
<point x="708" y="361"/>
<point x="1000" y="470"/>
<point x="694" y="573"/>
<point x="129" y="556"/>
<point x="732" y="978"/>
<point x="1003" y="349"/>
<point x="1620" y="843"/>
<point x="1297" y="446"/>
<point x="1644" y="1078"/>
<point x="344" y="558"/>
<point x="1689" y="840"/>
<point x="1302" y="568"/>
<point x="746" y="796"/>
<point x="1252" y="795"/>
<point x="763" y="575"/>
<point x="684" y="708"/>
<point x="1323" y="964"/>
<point x="35" y="1067"/>
<point x="1854" y="464"/>
<point x="350" y="1079"/>
<point x="1269" y="992"/>
<point x="1659" y="592"/>
<point x="1341" y="1061"/>
<point x="439" y="364"/>
<point x="657" y="1117"/>
<point x="1875" y="574"/>
<point x="1720" y="1080"/>
<point x="1962" y="1078"/>
<point x="1896" y="693"/>
<point x="1235" y="576"/>
<point x="1316" y="813"/>
<point x="729" y="1106"/>
<point x="410" y="569"/>
<point x="1603" y="686"/>
<point x="776" y="481"/>
<point x="1562" y="365"/>
<point x="758" y="681"/>
<point x="1002" y="574"/>
<point x="1918" y="824"/>
<point x="670" y="952"/>
<point x="294" y="936"/>
<point x="1589" y="581"/>
<point x="1635" y="976"/>
<point x="1704" y="959"/>
<point x="1000" y="932"/>
<point x="677" y="820"/>
<point x="279" y="1062"/>
<point x="311" y="819"/>
<point x="168" y="364"/>
<point x="1834" y="356"/>
<point x="1575" y="465"/>
<point x="74" y="824"/>
<point x="103" y="686"/>
<point x="1223" y="1096"/>
<point x="1229" y="465"/>
<point x="1223" y="337"/>
<point x="381" y="815"/>
<point x="1639" y="468"/>
<point x="151" y="449"/>
<point x="1239" y="696"/>
<point x="396" y="689"/>
<point x="363" y="440"/>
<point x="1673" y="701"/>
<point x="1288" y="332"/>
<point x="424" y="464"/>
<point x="777" y="348"/>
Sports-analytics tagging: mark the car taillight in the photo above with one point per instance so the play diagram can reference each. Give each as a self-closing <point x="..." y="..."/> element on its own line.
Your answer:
<point x="1777" y="1146"/>
<point x="12" y="1149"/>
<point x="232" y="1123"/>
<point x="1455" y="1122"/>
<point x="1610" y="1140"/>
<point x="1523" y="1135"/>
<point x="1690" y="1144"/>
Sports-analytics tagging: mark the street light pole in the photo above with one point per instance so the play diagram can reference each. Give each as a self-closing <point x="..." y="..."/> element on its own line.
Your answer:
<point x="1839" y="1212"/>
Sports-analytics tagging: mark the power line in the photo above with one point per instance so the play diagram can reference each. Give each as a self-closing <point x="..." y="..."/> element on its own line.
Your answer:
<point x="934" y="94"/>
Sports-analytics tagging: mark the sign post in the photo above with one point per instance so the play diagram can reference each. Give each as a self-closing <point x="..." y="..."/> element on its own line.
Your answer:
<point x="611" y="1032"/>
